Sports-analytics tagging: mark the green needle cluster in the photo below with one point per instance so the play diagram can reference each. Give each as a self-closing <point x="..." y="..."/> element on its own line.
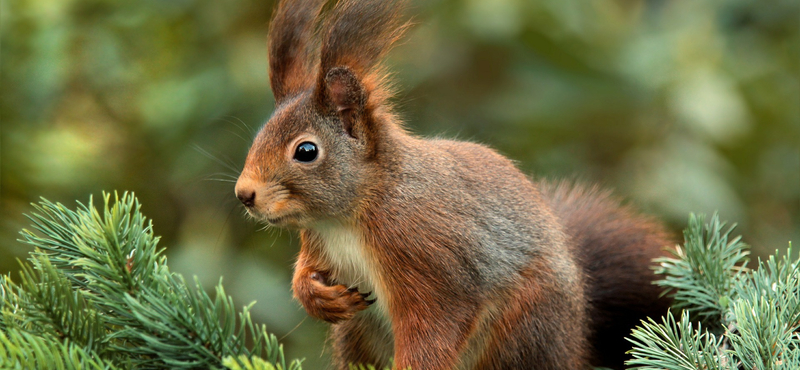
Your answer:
<point x="751" y="316"/>
<point x="96" y="293"/>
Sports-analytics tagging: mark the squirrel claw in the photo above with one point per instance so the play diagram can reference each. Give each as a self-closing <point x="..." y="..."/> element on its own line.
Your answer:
<point x="316" y="276"/>
<point x="332" y="303"/>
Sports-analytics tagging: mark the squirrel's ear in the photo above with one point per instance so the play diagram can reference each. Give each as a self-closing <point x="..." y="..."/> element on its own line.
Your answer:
<point x="345" y="95"/>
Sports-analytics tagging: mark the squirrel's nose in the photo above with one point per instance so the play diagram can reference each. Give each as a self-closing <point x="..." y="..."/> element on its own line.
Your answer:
<point x="248" y="197"/>
<point x="245" y="193"/>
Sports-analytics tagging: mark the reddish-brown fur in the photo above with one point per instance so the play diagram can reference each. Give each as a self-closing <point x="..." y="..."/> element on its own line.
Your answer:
<point x="525" y="311"/>
<point x="439" y="254"/>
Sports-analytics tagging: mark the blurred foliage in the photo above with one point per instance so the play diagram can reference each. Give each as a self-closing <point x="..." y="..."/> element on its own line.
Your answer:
<point x="680" y="106"/>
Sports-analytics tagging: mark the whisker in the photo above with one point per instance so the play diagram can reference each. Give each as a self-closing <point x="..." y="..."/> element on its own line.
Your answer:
<point x="247" y="129"/>
<point x="239" y="136"/>
<point x="274" y="240"/>
<point x="224" y="174"/>
<point x="246" y="215"/>
<point x="219" y="177"/>
<point x="212" y="177"/>
<point x="227" y="164"/>
<point x="236" y="124"/>
<point x="222" y="229"/>
<point x="220" y="180"/>
<point x="293" y="329"/>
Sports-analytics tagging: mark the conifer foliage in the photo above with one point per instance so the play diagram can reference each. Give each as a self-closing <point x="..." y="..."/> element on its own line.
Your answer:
<point x="96" y="293"/>
<point x="747" y="318"/>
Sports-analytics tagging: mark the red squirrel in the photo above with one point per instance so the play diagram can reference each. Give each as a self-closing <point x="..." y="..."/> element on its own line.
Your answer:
<point x="436" y="254"/>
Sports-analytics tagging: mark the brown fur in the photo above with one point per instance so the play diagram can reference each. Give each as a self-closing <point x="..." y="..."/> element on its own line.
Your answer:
<point x="469" y="264"/>
<point x="615" y="246"/>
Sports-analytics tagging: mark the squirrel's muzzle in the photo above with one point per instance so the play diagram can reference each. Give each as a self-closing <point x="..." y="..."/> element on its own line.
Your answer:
<point x="270" y="202"/>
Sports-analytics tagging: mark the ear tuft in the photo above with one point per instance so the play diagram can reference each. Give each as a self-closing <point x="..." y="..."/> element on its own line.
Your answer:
<point x="345" y="95"/>
<point x="290" y="40"/>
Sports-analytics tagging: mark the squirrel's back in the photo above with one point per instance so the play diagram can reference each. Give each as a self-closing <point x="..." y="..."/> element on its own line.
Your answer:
<point x="612" y="244"/>
<point x="503" y="221"/>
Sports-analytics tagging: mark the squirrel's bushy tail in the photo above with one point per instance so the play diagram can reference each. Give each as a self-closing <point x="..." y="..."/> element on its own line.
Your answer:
<point x="615" y="246"/>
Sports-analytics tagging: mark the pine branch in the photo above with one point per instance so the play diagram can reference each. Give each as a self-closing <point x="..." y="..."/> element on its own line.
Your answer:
<point x="765" y="316"/>
<point x="757" y="311"/>
<point x="675" y="346"/>
<point x="702" y="274"/>
<point x="53" y="309"/>
<point x="97" y="288"/>
<point x="21" y="350"/>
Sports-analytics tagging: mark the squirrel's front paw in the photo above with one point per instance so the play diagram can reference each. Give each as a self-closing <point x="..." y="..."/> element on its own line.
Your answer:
<point x="330" y="303"/>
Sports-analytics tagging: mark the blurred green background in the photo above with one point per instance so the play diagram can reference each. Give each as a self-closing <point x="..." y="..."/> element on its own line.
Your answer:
<point x="678" y="105"/>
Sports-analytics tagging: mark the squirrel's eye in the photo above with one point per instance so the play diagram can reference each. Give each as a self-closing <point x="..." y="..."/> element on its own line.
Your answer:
<point x="306" y="152"/>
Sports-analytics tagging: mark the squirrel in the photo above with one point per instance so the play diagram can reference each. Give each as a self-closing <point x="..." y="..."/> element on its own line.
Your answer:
<point x="431" y="253"/>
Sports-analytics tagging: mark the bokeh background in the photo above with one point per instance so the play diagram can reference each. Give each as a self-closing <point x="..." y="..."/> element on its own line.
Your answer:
<point x="680" y="106"/>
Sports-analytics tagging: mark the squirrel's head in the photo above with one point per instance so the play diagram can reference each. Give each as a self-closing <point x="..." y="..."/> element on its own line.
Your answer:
<point x="318" y="155"/>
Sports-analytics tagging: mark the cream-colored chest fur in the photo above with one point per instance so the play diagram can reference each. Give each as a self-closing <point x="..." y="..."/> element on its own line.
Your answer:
<point x="345" y="250"/>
